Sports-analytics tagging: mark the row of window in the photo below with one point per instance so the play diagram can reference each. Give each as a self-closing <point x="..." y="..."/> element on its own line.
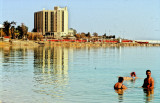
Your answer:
<point x="52" y="21"/>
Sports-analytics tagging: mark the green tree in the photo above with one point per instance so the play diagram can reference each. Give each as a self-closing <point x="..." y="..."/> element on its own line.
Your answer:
<point x="13" y="32"/>
<point x="19" y="32"/>
<point x="22" y="31"/>
<point x="83" y="35"/>
<point x="104" y="36"/>
<point x="88" y="35"/>
<point x="95" y="34"/>
<point x="78" y="36"/>
<point x="7" y="26"/>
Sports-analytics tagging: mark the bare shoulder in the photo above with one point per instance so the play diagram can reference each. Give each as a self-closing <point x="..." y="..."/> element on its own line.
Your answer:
<point x="152" y="79"/>
<point x="116" y="85"/>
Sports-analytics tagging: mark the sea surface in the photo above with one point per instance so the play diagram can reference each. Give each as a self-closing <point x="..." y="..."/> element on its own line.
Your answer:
<point x="77" y="75"/>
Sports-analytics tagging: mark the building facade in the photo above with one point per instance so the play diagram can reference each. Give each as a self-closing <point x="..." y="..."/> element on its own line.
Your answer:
<point x="52" y="21"/>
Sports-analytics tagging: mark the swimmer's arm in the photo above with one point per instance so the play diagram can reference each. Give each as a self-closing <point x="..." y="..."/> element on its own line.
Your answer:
<point x="138" y="78"/>
<point x="127" y="78"/>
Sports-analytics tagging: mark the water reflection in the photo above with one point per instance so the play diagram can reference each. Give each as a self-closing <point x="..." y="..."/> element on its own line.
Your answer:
<point x="51" y="70"/>
<point x="149" y="95"/>
<point x="120" y="94"/>
<point x="13" y="57"/>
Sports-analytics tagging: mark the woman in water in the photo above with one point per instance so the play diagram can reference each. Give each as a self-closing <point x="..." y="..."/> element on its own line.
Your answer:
<point x="133" y="76"/>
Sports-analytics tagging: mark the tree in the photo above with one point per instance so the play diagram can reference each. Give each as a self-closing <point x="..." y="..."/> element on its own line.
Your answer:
<point x="19" y="32"/>
<point x="95" y="34"/>
<point x="78" y="36"/>
<point x="22" y="31"/>
<point x="13" y="32"/>
<point x="7" y="26"/>
<point x="88" y="35"/>
<point x="83" y="35"/>
<point x="104" y="36"/>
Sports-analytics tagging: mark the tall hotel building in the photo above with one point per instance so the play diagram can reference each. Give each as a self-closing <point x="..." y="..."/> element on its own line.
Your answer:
<point x="54" y="22"/>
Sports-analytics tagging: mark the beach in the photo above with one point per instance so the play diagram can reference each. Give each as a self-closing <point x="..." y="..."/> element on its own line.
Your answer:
<point x="32" y="43"/>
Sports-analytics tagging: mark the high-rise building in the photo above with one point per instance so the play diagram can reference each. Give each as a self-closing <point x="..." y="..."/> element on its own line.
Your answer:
<point x="53" y="22"/>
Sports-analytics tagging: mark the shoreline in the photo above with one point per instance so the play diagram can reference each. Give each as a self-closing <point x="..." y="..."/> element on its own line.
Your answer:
<point x="73" y="44"/>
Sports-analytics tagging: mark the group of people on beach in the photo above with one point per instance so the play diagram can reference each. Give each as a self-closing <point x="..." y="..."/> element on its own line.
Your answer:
<point x="148" y="82"/>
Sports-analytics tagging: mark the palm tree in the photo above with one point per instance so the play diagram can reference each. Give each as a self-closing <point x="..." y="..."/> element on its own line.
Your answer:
<point x="7" y="26"/>
<point x="13" y="32"/>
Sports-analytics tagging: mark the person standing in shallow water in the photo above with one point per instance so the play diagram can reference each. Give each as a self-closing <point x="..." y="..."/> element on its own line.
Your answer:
<point x="148" y="82"/>
<point x="119" y="84"/>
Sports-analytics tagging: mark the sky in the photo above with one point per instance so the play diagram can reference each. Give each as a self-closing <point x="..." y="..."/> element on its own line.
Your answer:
<point x="131" y="19"/>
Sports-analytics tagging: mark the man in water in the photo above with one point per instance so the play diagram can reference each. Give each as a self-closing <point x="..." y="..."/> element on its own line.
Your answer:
<point x="148" y="82"/>
<point x="119" y="84"/>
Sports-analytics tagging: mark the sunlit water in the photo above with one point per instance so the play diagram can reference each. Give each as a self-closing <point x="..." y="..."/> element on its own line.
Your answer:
<point x="76" y="75"/>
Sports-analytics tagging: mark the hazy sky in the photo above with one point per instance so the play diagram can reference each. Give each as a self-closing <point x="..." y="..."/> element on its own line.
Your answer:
<point x="133" y="19"/>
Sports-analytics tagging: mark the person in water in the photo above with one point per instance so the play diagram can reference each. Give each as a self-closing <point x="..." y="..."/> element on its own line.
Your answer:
<point x="148" y="82"/>
<point x="133" y="76"/>
<point x="119" y="84"/>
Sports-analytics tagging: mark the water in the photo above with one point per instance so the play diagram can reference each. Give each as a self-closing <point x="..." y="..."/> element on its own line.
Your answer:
<point x="76" y="75"/>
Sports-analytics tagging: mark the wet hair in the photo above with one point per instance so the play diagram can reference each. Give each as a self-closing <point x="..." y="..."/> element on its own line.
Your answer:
<point x="148" y="71"/>
<point x="120" y="79"/>
<point x="133" y="73"/>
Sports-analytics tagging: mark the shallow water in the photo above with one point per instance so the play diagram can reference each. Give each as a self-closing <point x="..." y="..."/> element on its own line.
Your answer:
<point x="76" y="75"/>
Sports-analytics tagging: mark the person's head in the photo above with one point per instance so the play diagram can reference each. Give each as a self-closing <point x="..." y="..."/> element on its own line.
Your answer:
<point x="120" y="79"/>
<point x="148" y="73"/>
<point x="133" y="74"/>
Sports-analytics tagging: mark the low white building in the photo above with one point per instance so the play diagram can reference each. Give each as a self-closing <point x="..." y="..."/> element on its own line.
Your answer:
<point x="72" y="32"/>
<point x="1" y="27"/>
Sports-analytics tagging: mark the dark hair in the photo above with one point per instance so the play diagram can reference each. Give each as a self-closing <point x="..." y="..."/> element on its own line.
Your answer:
<point x="133" y="73"/>
<point x="148" y="71"/>
<point x="120" y="79"/>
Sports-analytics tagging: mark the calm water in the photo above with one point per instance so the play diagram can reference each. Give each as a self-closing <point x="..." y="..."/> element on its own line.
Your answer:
<point x="76" y="75"/>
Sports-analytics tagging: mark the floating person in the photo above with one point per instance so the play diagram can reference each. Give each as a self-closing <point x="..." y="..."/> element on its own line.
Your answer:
<point x="148" y="82"/>
<point x="119" y="84"/>
<point x="133" y="76"/>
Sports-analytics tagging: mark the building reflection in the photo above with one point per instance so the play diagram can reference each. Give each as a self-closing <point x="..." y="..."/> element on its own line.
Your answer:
<point x="13" y="56"/>
<point x="51" y="60"/>
<point x="51" y="70"/>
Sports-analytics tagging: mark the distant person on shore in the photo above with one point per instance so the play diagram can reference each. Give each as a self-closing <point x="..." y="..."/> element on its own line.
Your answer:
<point x="119" y="84"/>
<point x="133" y="76"/>
<point x="148" y="82"/>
